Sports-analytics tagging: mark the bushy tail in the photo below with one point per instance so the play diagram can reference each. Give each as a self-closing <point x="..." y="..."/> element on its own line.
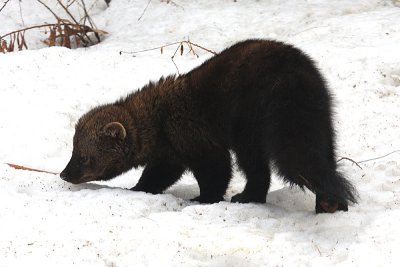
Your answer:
<point x="336" y="187"/>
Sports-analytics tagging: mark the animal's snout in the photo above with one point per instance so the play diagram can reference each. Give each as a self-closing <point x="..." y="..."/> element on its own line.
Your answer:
<point x="63" y="175"/>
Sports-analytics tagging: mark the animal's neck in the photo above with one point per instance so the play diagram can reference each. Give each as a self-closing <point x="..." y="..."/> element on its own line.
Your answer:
<point x="145" y="127"/>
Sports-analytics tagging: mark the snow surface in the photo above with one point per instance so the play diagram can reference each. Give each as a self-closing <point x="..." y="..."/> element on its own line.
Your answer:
<point x="45" y="221"/>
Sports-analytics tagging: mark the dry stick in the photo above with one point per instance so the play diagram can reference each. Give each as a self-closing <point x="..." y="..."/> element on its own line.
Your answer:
<point x="20" y="13"/>
<point x="366" y="160"/>
<point x="150" y="49"/>
<point x="59" y="19"/>
<point x="192" y="50"/>
<point x="170" y="44"/>
<point x="349" y="159"/>
<point x="46" y="6"/>
<point x="208" y="50"/>
<point x="172" y="58"/>
<point x="45" y="25"/>
<point x="144" y="11"/>
<point x="4" y="5"/>
<point x="71" y="3"/>
<point x="19" y="167"/>
<point x="91" y="22"/>
<point x="180" y="45"/>
<point x="77" y="23"/>
<point x="93" y="4"/>
<point x="67" y="11"/>
<point x="86" y="14"/>
<point x="306" y="183"/>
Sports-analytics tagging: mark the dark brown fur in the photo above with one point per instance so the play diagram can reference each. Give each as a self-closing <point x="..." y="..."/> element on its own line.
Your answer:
<point x="263" y="100"/>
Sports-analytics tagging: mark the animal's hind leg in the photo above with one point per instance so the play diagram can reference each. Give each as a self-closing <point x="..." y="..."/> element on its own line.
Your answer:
<point x="256" y="168"/>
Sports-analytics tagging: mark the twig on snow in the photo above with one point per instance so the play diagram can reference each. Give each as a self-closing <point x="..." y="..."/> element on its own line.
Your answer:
<point x="349" y="159"/>
<point x="19" y="167"/>
<point x="388" y="154"/>
<point x="366" y="160"/>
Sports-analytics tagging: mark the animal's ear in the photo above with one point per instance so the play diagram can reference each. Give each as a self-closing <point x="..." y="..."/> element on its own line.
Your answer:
<point x="115" y="130"/>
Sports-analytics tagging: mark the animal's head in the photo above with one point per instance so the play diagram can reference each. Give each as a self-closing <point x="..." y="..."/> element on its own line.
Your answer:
<point x="101" y="146"/>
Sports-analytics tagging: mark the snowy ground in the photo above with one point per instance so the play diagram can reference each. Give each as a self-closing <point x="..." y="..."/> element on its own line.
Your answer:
<point x="45" y="221"/>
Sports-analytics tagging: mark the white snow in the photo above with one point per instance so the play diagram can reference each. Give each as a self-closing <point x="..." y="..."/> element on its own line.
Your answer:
<point x="43" y="92"/>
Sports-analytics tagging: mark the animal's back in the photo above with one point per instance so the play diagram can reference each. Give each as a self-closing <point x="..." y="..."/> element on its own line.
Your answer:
<point x="258" y="87"/>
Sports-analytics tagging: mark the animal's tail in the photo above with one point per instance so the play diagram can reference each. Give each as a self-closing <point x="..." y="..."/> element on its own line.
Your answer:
<point x="337" y="187"/>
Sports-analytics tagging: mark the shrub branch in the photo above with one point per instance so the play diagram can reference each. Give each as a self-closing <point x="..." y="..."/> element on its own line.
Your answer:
<point x="4" y="5"/>
<point x="180" y="48"/>
<point x="62" y="33"/>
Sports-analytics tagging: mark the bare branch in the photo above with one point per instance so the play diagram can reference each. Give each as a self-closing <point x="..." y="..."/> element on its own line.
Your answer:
<point x="172" y="58"/>
<point x="179" y="48"/>
<point x="189" y="43"/>
<point x="84" y="27"/>
<point x="4" y="5"/>
<point x="46" y="6"/>
<point x="146" y="50"/>
<point x="20" y="13"/>
<point x="201" y="47"/>
<point x="91" y="22"/>
<point x="366" y="160"/>
<point x="144" y="11"/>
<point x="349" y="159"/>
<point x="67" y="11"/>
<point x="62" y="33"/>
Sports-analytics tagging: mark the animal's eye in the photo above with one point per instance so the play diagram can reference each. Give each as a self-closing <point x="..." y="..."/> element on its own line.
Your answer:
<point x="84" y="160"/>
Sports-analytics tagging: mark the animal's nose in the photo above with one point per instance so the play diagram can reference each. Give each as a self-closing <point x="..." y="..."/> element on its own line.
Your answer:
<point x="63" y="175"/>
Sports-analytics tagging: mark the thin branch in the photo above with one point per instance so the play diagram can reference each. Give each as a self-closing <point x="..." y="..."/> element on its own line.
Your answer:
<point x="19" y="167"/>
<point x="80" y="36"/>
<point x="46" y="6"/>
<point x="70" y="3"/>
<point x="208" y="50"/>
<point x="144" y="11"/>
<point x="163" y="46"/>
<point x="146" y="50"/>
<point x="91" y="22"/>
<point x="83" y="27"/>
<point x="86" y="14"/>
<point x="180" y="47"/>
<point x="4" y="5"/>
<point x="172" y="58"/>
<point x="306" y="183"/>
<point x="366" y="160"/>
<point x="20" y="13"/>
<point x="67" y="11"/>
<point x="349" y="159"/>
